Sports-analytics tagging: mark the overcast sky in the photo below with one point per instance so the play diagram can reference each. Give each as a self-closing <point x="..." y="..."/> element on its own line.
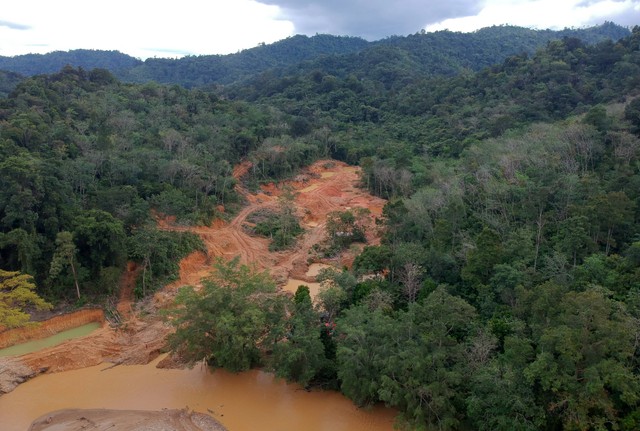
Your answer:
<point x="162" y="28"/>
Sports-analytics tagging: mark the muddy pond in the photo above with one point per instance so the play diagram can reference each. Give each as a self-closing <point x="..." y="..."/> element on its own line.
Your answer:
<point x="245" y="401"/>
<point x="54" y="340"/>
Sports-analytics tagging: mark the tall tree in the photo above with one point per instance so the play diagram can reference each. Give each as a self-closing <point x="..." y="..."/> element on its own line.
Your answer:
<point x="299" y="355"/>
<point x="229" y="322"/>
<point x="65" y="255"/>
<point x="583" y="361"/>
<point x="425" y="376"/>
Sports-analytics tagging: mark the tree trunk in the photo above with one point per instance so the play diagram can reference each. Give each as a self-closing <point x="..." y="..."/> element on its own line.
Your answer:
<point x="75" y="277"/>
<point x="608" y="246"/>
<point x="540" y="224"/>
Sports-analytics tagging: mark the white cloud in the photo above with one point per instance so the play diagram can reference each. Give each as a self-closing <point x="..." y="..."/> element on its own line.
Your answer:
<point x="141" y="28"/>
<point x="542" y="14"/>
<point x="163" y="28"/>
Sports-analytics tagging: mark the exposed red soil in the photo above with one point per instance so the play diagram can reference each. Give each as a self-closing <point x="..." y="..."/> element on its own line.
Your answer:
<point x="127" y="285"/>
<point x="323" y="187"/>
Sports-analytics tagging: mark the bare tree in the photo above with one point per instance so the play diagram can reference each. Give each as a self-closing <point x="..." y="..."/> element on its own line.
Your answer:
<point x="410" y="277"/>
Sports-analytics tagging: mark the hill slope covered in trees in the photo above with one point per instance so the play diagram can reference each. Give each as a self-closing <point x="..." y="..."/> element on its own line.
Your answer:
<point x="505" y="292"/>
<point x="442" y="52"/>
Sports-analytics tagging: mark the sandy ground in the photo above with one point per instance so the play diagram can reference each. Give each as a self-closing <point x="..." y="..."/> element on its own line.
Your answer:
<point x="323" y="187"/>
<point x="125" y="420"/>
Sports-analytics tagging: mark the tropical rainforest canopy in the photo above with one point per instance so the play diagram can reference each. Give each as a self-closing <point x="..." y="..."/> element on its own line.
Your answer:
<point x="505" y="294"/>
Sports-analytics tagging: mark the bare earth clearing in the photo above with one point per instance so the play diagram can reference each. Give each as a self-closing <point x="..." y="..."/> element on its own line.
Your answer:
<point x="323" y="187"/>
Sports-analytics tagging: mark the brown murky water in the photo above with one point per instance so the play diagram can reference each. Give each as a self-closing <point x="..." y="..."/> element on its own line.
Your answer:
<point x="314" y="288"/>
<point x="292" y="286"/>
<point x="315" y="268"/>
<point x="247" y="401"/>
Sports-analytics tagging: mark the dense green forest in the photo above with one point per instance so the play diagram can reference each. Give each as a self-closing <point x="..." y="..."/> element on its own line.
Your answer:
<point x="443" y="52"/>
<point x="85" y="160"/>
<point x="505" y="294"/>
<point x="37" y="64"/>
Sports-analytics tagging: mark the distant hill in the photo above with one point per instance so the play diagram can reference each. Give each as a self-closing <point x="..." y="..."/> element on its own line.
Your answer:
<point x="197" y="71"/>
<point x="446" y="52"/>
<point x="440" y="53"/>
<point x="36" y="64"/>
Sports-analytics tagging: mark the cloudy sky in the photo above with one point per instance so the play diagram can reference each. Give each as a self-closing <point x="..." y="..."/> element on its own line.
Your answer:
<point x="163" y="28"/>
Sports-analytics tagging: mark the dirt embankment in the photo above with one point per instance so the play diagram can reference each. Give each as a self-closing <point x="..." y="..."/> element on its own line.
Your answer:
<point x="135" y="341"/>
<point x="323" y="187"/>
<point x="50" y="327"/>
<point x="125" y="420"/>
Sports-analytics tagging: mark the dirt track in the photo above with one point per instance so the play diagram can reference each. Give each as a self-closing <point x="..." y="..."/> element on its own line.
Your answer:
<point x="323" y="187"/>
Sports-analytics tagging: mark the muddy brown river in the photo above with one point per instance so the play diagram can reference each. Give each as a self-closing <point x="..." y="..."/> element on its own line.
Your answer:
<point x="246" y="401"/>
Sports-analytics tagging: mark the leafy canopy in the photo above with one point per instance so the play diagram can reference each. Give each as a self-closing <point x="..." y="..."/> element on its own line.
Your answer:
<point x="17" y="292"/>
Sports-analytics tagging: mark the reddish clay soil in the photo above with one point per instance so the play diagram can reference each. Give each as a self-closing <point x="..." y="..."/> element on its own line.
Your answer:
<point x="325" y="186"/>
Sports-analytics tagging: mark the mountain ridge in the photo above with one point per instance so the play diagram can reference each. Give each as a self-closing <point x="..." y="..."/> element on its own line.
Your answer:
<point x="443" y="52"/>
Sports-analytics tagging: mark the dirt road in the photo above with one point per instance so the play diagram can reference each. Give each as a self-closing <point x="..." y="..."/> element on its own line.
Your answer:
<point x="323" y="187"/>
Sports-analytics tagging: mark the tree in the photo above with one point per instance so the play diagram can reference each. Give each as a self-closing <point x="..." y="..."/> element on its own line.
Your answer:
<point x="21" y="191"/>
<point x="424" y="377"/>
<point x="280" y="225"/>
<point x="632" y="113"/>
<point x="372" y="259"/>
<point x="100" y="240"/>
<point x="364" y="345"/>
<point x="17" y="291"/>
<point x="500" y="400"/>
<point x="583" y="361"/>
<point x="64" y="255"/>
<point x="299" y="356"/>
<point x="230" y="322"/>
<point x="410" y="279"/>
<point x="346" y="227"/>
<point x="481" y="260"/>
<point x="611" y="213"/>
<point x="573" y="238"/>
<point x="331" y="300"/>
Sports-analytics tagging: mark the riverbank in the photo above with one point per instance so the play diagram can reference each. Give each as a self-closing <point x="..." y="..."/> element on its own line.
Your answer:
<point x="98" y="381"/>
<point x="247" y="401"/>
<point x="125" y="420"/>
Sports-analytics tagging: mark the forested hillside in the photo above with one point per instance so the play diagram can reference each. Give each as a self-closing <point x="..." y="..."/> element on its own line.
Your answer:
<point x="505" y="294"/>
<point x="8" y="81"/>
<point x="53" y="62"/>
<point x="443" y="52"/>
<point x="85" y="159"/>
